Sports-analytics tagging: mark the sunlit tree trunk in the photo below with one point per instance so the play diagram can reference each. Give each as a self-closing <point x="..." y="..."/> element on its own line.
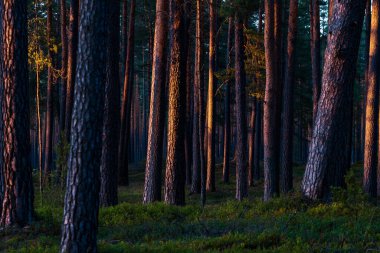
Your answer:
<point x="17" y="200"/>
<point x="153" y="167"/>
<point x="329" y="155"/>
<point x="62" y="107"/>
<point x="80" y="216"/>
<point x="175" y="160"/>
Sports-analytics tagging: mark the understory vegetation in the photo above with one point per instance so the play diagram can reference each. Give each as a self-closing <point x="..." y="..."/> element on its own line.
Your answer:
<point x="350" y="223"/>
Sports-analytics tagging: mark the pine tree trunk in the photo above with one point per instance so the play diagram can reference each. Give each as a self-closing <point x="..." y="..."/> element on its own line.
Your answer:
<point x="153" y="168"/>
<point x="257" y="147"/>
<point x="81" y="208"/>
<point x="62" y="107"/>
<point x="251" y="142"/>
<point x="330" y="146"/>
<point x="111" y="124"/>
<point x="286" y="146"/>
<point x="72" y="63"/>
<point x="227" y="117"/>
<point x="175" y="160"/>
<point x="210" y="186"/>
<point x="315" y="47"/>
<point x="241" y="127"/>
<point x="17" y="202"/>
<point x="372" y="107"/>
<point x="126" y="100"/>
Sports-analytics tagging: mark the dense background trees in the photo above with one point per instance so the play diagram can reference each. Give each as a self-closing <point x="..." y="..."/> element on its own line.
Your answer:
<point x="217" y="91"/>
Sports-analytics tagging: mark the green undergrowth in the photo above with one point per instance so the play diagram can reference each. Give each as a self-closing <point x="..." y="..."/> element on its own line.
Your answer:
<point x="350" y="223"/>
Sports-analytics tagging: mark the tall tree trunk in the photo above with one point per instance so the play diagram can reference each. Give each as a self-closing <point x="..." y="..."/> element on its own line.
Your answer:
<point x="227" y="117"/>
<point x="241" y="127"/>
<point x="330" y="146"/>
<point x="80" y="218"/>
<point x="62" y="107"/>
<point x="49" y="95"/>
<point x="153" y="167"/>
<point x="175" y="171"/>
<point x="17" y="204"/>
<point x="210" y="100"/>
<point x="372" y="107"/>
<point x="286" y="146"/>
<point x="315" y="47"/>
<point x="72" y="63"/>
<point x="270" y="104"/>
<point x="111" y="124"/>
<point x="257" y="147"/>
<point x="126" y="101"/>
<point x="251" y="142"/>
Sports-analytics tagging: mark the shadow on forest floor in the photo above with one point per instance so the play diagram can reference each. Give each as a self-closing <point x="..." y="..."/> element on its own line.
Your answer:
<point x="285" y="224"/>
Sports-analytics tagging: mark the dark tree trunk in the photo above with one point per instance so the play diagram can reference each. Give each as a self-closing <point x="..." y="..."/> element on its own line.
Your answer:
<point x="330" y="146"/>
<point x="315" y="47"/>
<point x="257" y="147"/>
<point x="62" y="107"/>
<point x="80" y="217"/>
<point x="124" y="39"/>
<point x="251" y="142"/>
<point x="17" y="202"/>
<point x="126" y="101"/>
<point x="372" y="107"/>
<point x="111" y="124"/>
<point x="72" y="63"/>
<point x="210" y="100"/>
<point x="241" y="127"/>
<point x="153" y="168"/>
<point x="286" y="146"/>
<point x="175" y="160"/>
<point x="270" y="104"/>
<point x="227" y="119"/>
<point x="49" y="96"/>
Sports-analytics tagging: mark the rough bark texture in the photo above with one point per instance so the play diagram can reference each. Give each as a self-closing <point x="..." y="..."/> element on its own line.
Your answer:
<point x="153" y="168"/>
<point x="17" y="204"/>
<point x="227" y="119"/>
<point x="175" y="160"/>
<point x="72" y="63"/>
<point x="49" y="96"/>
<point x="329" y="155"/>
<point x="80" y="217"/>
<point x="210" y="100"/>
<point x="372" y="107"/>
<point x="111" y="124"/>
<point x="286" y="146"/>
<point x="270" y="154"/>
<point x="315" y="47"/>
<point x="127" y="100"/>
<point x="62" y="107"/>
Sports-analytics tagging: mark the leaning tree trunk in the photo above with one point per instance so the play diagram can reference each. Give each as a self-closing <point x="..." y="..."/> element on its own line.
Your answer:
<point x="175" y="160"/>
<point x="80" y="216"/>
<point x="153" y="168"/>
<point x="315" y="47"/>
<point x="111" y="124"/>
<point x="210" y="100"/>
<point x="329" y="149"/>
<point x="227" y="119"/>
<point x="49" y="97"/>
<point x="17" y="202"/>
<point x="72" y="63"/>
<point x="372" y="107"/>
<point x="286" y="145"/>
<point x="241" y="123"/>
<point x="127" y="101"/>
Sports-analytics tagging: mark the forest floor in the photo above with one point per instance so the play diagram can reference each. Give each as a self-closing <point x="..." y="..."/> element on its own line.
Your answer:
<point x="286" y="224"/>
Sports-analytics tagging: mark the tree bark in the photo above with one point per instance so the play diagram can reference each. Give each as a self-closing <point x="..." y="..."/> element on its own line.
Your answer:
<point x="126" y="100"/>
<point x="62" y="107"/>
<point x="372" y="107"/>
<point x="80" y="217"/>
<point x="315" y="47"/>
<point x="241" y="127"/>
<point x="330" y="146"/>
<point x="286" y="146"/>
<point x="72" y="63"/>
<point x="251" y="142"/>
<point x="175" y="160"/>
<point x="111" y="124"/>
<point x="17" y="202"/>
<point x="153" y="168"/>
